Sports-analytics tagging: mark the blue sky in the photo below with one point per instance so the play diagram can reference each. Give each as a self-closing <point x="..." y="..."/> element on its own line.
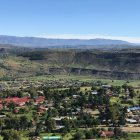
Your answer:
<point x="118" y="19"/>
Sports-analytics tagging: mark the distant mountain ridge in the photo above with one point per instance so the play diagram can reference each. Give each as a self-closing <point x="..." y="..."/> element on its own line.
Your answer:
<point x="48" y="42"/>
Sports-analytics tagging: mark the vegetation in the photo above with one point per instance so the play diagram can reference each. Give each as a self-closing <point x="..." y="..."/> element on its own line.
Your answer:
<point x="118" y="64"/>
<point x="43" y="94"/>
<point x="77" y="111"/>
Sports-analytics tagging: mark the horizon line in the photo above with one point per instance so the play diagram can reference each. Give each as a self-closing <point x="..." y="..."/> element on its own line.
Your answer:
<point x="82" y="37"/>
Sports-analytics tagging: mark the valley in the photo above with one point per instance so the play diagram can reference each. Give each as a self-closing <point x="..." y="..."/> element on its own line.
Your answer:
<point x="69" y="93"/>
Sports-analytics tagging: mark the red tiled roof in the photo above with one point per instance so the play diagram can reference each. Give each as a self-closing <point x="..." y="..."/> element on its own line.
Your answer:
<point x="107" y="133"/>
<point x="1" y="106"/>
<point x="21" y="101"/>
<point x="16" y="100"/>
<point x="40" y="99"/>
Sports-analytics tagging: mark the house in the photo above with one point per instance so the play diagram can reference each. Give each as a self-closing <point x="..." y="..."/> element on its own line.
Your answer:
<point x="52" y="138"/>
<point x="75" y="96"/>
<point x="41" y="110"/>
<point x="16" y="100"/>
<point x="136" y="108"/>
<point x="58" y="129"/>
<point x="35" y="138"/>
<point x="107" y="133"/>
<point x="127" y="92"/>
<point x="21" y="101"/>
<point x="40" y="99"/>
<point x="106" y="86"/>
<point x="132" y="121"/>
<point x="1" y="106"/>
<point x="16" y="111"/>
<point x="2" y="115"/>
<point x="94" y="92"/>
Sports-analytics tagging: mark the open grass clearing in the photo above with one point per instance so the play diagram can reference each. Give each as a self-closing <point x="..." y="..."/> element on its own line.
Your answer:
<point x="62" y="78"/>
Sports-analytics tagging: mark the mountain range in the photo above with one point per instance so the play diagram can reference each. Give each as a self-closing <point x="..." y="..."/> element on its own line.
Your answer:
<point x="35" y="42"/>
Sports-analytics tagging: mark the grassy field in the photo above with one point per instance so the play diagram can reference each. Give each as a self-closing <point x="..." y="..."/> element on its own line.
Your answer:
<point x="22" y="138"/>
<point x="63" y="78"/>
<point x="134" y="136"/>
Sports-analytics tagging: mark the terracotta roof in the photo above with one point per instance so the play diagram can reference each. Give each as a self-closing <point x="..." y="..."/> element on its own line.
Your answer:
<point x="107" y="133"/>
<point x="21" y="101"/>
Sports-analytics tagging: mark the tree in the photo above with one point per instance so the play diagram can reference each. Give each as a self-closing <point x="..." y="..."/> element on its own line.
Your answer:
<point x="1" y="124"/>
<point x="114" y="112"/>
<point x="38" y="129"/>
<point x="94" y="88"/>
<point x="24" y="122"/>
<point x="125" y="86"/>
<point x="88" y="134"/>
<point x="78" y="135"/>
<point x="96" y="132"/>
<point x="50" y="124"/>
<point x="4" y="103"/>
<point x="10" y="135"/>
<point x="20" y="94"/>
<point x="66" y="122"/>
<point x="11" y="106"/>
<point x="132" y="93"/>
<point x="118" y="133"/>
<point x="122" y="120"/>
<point x="33" y="93"/>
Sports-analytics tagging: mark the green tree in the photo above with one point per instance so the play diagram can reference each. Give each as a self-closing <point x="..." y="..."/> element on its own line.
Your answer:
<point x="66" y="122"/>
<point x="20" y="94"/>
<point x="11" y="106"/>
<point x="88" y="134"/>
<point x="33" y="93"/>
<point x="24" y="122"/>
<point x="11" y="135"/>
<point x="50" y="124"/>
<point x="78" y="135"/>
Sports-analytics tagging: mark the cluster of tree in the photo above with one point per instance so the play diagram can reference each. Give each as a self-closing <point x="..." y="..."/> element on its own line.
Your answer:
<point x="113" y="115"/>
<point x="11" y="93"/>
<point x="16" y="123"/>
<point x="11" y="135"/>
<point x="96" y="133"/>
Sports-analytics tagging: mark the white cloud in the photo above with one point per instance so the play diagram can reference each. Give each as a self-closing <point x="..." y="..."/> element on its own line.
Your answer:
<point x="91" y="36"/>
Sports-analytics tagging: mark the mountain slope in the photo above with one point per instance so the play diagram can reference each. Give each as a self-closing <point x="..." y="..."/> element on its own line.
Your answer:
<point x="118" y="64"/>
<point x="121" y="64"/>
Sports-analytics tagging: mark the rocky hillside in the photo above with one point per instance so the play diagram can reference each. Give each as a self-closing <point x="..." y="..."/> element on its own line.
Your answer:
<point x="23" y="62"/>
<point x="122" y="64"/>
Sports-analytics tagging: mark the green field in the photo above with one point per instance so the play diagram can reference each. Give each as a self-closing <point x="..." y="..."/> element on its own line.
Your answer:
<point x="62" y="78"/>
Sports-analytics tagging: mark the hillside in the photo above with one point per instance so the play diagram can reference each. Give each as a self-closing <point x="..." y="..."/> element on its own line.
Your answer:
<point x="23" y="62"/>
<point x="121" y="64"/>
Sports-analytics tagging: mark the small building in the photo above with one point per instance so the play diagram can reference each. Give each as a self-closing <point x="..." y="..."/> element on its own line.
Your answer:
<point x="94" y="92"/>
<point x="52" y="138"/>
<point x="136" y="108"/>
<point x="75" y="96"/>
<point x="127" y="92"/>
<point x="107" y="133"/>
<point x="106" y="86"/>
<point x="132" y="121"/>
